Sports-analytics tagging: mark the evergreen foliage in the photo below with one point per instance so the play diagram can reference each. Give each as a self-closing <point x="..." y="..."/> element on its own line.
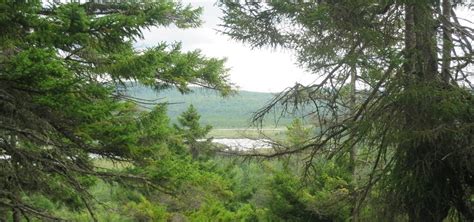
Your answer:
<point x="192" y="131"/>
<point x="391" y="115"/>
<point x="412" y="112"/>
<point x="62" y="68"/>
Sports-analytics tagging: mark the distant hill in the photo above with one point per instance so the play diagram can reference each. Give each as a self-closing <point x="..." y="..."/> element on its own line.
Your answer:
<point x="229" y="112"/>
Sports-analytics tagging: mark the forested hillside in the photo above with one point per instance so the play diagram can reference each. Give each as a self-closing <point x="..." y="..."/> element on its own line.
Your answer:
<point x="234" y="111"/>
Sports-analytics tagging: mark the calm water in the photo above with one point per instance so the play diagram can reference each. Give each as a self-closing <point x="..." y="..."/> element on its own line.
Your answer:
<point x="243" y="144"/>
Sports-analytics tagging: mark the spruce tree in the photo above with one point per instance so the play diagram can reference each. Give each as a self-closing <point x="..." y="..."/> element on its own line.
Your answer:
<point x="192" y="131"/>
<point x="413" y="109"/>
<point x="63" y="68"/>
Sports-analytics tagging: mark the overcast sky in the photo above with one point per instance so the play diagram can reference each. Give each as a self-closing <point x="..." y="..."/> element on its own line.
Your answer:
<point x="262" y="70"/>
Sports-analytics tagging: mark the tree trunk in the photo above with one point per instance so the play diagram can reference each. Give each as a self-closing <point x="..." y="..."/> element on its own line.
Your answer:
<point x="410" y="40"/>
<point x="425" y="33"/>
<point x="447" y="40"/>
<point x="353" y="151"/>
<point x="16" y="215"/>
<point x="421" y="68"/>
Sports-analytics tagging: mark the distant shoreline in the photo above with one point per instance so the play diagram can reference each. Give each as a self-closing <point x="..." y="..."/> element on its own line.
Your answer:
<point x="238" y="133"/>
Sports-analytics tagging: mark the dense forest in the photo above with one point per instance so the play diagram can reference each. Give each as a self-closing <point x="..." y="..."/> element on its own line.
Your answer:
<point x="384" y="133"/>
